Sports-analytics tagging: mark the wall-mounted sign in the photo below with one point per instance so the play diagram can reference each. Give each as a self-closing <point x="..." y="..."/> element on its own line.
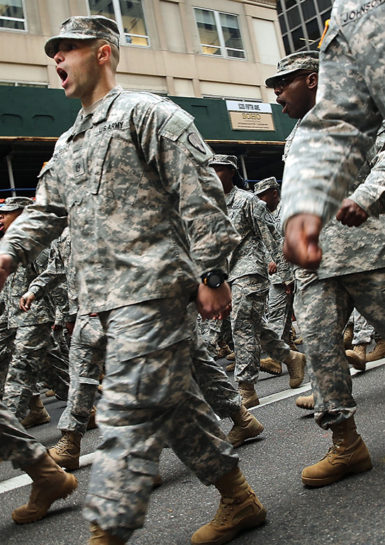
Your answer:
<point x="250" y="116"/>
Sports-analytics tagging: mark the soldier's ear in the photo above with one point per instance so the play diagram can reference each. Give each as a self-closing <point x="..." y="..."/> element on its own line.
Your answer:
<point x="312" y="80"/>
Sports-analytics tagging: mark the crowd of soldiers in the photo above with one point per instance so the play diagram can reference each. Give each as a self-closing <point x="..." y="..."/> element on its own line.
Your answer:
<point x="144" y="259"/>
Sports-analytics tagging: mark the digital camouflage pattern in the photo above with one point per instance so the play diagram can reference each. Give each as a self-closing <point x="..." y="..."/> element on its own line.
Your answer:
<point x="16" y="285"/>
<point x="147" y="218"/>
<point x="332" y="140"/>
<point x="322" y="308"/>
<point x="87" y="357"/>
<point x="59" y="278"/>
<point x="257" y="229"/>
<point x="149" y="399"/>
<point x="108" y="172"/>
<point x="15" y="443"/>
<point x="363" y="332"/>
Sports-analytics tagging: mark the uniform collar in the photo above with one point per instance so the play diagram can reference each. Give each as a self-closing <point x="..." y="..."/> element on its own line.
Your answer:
<point x="229" y="197"/>
<point x="84" y="122"/>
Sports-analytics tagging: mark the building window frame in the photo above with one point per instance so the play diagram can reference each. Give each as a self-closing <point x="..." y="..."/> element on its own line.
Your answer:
<point x="119" y="21"/>
<point x="15" y="19"/>
<point x="222" y="43"/>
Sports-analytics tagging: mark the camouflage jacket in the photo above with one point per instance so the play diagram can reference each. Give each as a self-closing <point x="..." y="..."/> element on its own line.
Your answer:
<point x="278" y="278"/>
<point x="357" y="249"/>
<point x="147" y="216"/>
<point x="58" y="279"/>
<point x="331" y="143"/>
<point x="254" y="223"/>
<point x="16" y="285"/>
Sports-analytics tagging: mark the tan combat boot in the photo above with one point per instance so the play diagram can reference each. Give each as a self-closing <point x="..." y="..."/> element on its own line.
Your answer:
<point x="92" y="419"/>
<point x="348" y="336"/>
<point x="239" y="509"/>
<point x="230" y="367"/>
<point x="66" y="452"/>
<point x="378" y="352"/>
<point x="246" y="426"/>
<point x="296" y="362"/>
<point x="357" y="357"/>
<point x="50" y="393"/>
<point x="101" y="537"/>
<point x="268" y="365"/>
<point x="347" y="455"/>
<point x="231" y="356"/>
<point x="37" y="415"/>
<point x="223" y="350"/>
<point x="248" y="394"/>
<point x="305" y="402"/>
<point x="50" y="483"/>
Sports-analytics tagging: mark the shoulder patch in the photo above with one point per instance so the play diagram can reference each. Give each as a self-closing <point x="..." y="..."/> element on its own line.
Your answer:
<point x="196" y="142"/>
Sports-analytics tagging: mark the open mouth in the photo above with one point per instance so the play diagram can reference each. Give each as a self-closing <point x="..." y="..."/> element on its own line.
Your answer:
<point x="62" y="74"/>
<point x="1" y="227"/>
<point x="283" y="104"/>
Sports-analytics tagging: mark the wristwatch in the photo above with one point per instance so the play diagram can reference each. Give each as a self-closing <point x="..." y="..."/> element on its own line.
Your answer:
<point x="214" y="278"/>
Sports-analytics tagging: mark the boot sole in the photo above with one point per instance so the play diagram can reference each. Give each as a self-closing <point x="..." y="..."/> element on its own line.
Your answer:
<point x="69" y="487"/>
<point x="249" y="524"/>
<point x="275" y="373"/>
<point x="358" y="468"/>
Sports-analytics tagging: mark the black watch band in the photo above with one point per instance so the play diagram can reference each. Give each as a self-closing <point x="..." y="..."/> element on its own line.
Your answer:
<point x="214" y="278"/>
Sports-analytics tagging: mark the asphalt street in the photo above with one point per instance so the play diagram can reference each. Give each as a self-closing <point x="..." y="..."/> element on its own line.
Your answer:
<point x="345" y="513"/>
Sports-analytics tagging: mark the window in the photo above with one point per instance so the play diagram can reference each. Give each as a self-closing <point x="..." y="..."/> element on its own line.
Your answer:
<point x="129" y="17"/>
<point x="12" y="15"/>
<point x="219" y="33"/>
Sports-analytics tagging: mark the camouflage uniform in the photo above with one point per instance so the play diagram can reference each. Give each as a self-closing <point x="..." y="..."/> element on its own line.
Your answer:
<point x="88" y="341"/>
<point x="280" y="304"/>
<point x="351" y="274"/>
<point x="31" y="333"/>
<point x="147" y="218"/>
<point x="331" y="144"/>
<point x="363" y="332"/>
<point x="249" y="285"/>
<point x="15" y="443"/>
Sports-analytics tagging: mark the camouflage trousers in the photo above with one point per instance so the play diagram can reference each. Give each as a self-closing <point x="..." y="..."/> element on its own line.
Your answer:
<point x="32" y="361"/>
<point x="15" y="443"/>
<point x="86" y="361"/>
<point x="322" y="308"/>
<point x="250" y="331"/>
<point x="363" y="332"/>
<point x="279" y="311"/>
<point x="212" y="380"/>
<point x="149" y="398"/>
<point x="7" y="337"/>
<point x="87" y="356"/>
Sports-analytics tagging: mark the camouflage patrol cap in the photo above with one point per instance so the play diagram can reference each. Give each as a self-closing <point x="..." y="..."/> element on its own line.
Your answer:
<point x="225" y="160"/>
<point x="264" y="185"/>
<point x="15" y="203"/>
<point x="302" y="60"/>
<point x="84" y="28"/>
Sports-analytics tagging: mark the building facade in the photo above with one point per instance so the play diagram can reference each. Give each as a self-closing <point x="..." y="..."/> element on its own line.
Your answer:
<point x="302" y="23"/>
<point x="197" y="52"/>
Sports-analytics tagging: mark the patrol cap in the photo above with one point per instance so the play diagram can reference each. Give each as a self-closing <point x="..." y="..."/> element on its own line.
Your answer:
<point x="264" y="185"/>
<point x="230" y="161"/>
<point x="225" y="160"/>
<point x="84" y="28"/>
<point x="15" y="203"/>
<point x="302" y="60"/>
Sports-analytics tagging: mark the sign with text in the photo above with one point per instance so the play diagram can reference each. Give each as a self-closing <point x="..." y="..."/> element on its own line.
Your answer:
<point x="250" y="116"/>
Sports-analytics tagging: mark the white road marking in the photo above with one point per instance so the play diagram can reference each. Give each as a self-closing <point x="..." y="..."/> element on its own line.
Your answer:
<point x="87" y="459"/>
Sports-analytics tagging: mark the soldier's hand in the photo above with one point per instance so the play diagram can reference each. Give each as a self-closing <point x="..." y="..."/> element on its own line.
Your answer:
<point x="214" y="302"/>
<point x="272" y="267"/>
<point x="6" y="267"/>
<point x="351" y="214"/>
<point x="301" y="240"/>
<point x="26" y="301"/>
